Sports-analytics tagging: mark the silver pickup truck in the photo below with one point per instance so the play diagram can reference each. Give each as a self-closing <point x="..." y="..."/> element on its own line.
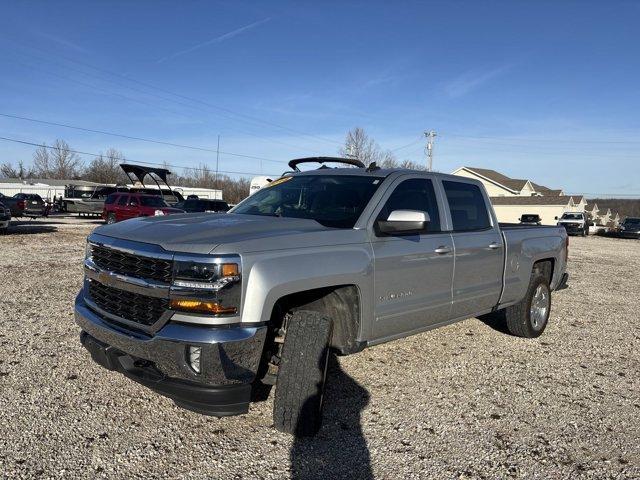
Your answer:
<point x="210" y="309"/>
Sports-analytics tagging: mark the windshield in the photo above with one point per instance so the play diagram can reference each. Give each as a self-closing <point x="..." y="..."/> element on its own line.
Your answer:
<point x="632" y="221"/>
<point x="153" y="202"/>
<point x="572" y="216"/>
<point x="331" y="200"/>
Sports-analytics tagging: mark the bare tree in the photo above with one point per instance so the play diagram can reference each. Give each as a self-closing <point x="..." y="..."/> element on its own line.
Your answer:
<point x="64" y="162"/>
<point x="233" y="190"/>
<point x="200" y="177"/>
<point x="42" y="162"/>
<point x="7" y="170"/>
<point x="58" y="161"/>
<point x="106" y="168"/>
<point x="362" y="147"/>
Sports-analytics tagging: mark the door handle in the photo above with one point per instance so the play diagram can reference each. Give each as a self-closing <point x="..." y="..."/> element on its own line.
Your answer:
<point x="442" y="249"/>
<point x="494" y="246"/>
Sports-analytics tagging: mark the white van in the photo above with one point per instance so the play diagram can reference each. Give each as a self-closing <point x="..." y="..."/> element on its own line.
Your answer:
<point x="257" y="183"/>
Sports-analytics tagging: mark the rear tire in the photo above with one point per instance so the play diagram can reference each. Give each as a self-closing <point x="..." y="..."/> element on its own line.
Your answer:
<point x="302" y="373"/>
<point x="529" y="317"/>
<point x="111" y="218"/>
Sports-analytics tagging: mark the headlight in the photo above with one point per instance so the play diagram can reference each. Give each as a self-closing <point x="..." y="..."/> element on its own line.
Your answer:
<point x="157" y="213"/>
<point x="206" y="285"/>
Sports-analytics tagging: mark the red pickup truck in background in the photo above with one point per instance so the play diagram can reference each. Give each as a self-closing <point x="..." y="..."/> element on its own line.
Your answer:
<point x="123" y="205"/>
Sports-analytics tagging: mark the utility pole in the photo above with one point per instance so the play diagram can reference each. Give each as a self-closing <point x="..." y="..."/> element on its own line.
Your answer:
<point x="431" y="135"/>
<point x="217" y="160"/>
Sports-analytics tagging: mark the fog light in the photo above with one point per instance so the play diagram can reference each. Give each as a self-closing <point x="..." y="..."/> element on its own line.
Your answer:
<point x="193" y="355"/>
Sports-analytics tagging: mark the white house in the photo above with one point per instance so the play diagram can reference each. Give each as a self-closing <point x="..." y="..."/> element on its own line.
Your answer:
<point x="513" y="197"/>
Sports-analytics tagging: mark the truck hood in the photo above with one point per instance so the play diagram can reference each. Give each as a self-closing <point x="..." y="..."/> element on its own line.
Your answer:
<point x="203" y="232"/>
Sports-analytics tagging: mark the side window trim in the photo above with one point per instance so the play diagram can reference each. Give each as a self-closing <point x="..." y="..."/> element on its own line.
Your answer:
<point x="493" y="222"/>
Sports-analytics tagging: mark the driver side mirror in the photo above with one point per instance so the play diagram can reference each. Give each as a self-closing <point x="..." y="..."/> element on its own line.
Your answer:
<point x="404" y="222"/>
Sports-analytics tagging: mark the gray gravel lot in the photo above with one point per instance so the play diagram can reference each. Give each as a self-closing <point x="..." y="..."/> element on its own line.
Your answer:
<point x="465" y="401"/>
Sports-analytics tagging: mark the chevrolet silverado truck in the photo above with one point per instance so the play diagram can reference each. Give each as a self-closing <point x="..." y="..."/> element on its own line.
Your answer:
<point x="211" y="309"/>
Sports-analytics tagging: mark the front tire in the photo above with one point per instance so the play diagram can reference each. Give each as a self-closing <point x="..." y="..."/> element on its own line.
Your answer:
<point x="529" y="317"/>
<point x="302" y="373"/>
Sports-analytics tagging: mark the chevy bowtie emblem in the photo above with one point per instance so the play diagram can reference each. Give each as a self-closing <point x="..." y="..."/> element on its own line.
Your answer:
<point x="107" y="278"/>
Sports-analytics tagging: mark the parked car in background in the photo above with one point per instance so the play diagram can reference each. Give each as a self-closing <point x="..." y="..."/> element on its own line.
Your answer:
<point x="530" y="219"/>
<point x="195" y="205"/>
<point x="24" y="205"/>
<point x="5" y="218"/>
<point x="208" y="309"/>
<point x="123" y="205"/>
<point x="576" y="223"/>
<point x="630" y="228"/>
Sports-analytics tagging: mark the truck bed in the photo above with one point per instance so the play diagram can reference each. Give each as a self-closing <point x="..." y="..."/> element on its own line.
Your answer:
<point x="513" y="226"/>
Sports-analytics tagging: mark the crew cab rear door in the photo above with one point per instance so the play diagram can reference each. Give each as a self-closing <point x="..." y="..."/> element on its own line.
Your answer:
<point x="479" y="249"/>
<point x="412" y="272"/>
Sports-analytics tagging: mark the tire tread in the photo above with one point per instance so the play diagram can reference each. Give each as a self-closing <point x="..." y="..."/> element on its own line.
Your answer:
<point x="297" y="408"/>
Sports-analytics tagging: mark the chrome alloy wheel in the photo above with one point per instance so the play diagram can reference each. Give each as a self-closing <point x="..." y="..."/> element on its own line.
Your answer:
<point x="540" y="307"/>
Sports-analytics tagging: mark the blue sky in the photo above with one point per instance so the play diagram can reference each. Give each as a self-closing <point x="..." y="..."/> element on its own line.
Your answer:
<point x="542" y="90"/>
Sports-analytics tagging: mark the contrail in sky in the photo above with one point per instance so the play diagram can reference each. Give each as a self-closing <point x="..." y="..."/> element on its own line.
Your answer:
<point x="218" y="39"/>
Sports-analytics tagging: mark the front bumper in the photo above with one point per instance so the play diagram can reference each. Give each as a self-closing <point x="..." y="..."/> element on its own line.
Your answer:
<point x="628" y="234"/>
<point x="229" y="360"/>
<point x="573" y="228"/>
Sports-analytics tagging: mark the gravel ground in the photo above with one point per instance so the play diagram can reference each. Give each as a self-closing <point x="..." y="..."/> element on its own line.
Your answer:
<point x="465" y="401"/>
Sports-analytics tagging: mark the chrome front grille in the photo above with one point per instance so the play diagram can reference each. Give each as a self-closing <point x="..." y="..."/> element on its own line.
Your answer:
<point x="132" y="265"/>
<point x="127" y="305"/>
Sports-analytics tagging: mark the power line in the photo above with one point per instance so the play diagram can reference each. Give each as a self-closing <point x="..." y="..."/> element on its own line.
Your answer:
<point x="407" y="145"/>
<point x="559" y="140"/>
<point x="80" y="152"/>
<point x="138" y="100"/>
<point x="141" y="139"/>
<point x="595" y="195"/>
<point x="246" y="118"/>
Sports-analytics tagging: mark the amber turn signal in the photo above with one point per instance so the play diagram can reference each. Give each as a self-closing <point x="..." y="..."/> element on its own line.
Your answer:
<point x="199" y="306"/>
<point x="229" y="269"/>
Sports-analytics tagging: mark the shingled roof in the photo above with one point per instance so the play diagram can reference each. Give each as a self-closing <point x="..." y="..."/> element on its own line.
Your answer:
<point x="515" y="184"/>
<point x="560" y="200"/>
<point x="546" y="190"/>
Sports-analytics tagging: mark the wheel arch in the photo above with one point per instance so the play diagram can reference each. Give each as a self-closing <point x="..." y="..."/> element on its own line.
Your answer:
<point x="340" y="303"/>
<point x="546" y="267"/>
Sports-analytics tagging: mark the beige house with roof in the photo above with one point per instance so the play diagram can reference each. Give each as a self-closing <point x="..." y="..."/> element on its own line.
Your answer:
<point x="513" y="197"/>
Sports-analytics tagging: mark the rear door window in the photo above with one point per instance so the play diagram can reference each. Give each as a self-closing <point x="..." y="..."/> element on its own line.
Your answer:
<point x="123" y="199"/>
<point x="467" y="206"/>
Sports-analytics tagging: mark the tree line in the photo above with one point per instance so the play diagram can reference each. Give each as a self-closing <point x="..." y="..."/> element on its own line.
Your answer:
<point x="626" y="207"/>
<point x="59" y="161"/>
